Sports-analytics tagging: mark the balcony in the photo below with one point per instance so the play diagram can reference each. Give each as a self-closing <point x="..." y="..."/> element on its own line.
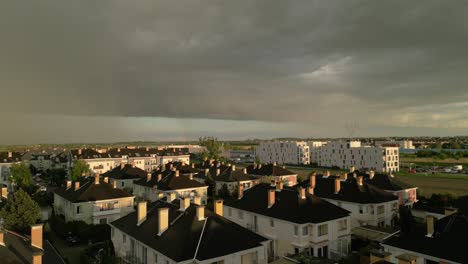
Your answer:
<point x="100" y="211"/>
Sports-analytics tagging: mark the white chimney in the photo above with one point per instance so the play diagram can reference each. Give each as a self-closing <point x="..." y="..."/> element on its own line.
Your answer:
<point x="245" y="170"/>
<point x="197" y="200"/>
<point x="141" y="212"/>
<point x="159" y="177"/>
<point x="360" y="180"/>
<point x="5" y="192"/>
<point x="177" y="173"/>
<point x="191" y="176"/>
<point x="69" y="184"/>
<point x="233" y="167"/>
<point x="184" y="203"/>
<point x="148" y="177"/>
<point x="218" y="171"/>
<point x="207" y="171"/>
<point x="114" y="184"/>
<point x="96" y="178"/>
<point x="310" y="190"/>
<point x="271" y="197"/>
<point x="371" y="174"/>
<point x="10" y="154"/>
<point x="279" y="186"/>
<point x="240" y="190"/>
<point x="200" y="213"/>
<point x="302" y="193"/>
<point x="430" y="225"/>
<point x="36" y="236"/>
<point x="218" y="207"/>
<point x="77" y="185"/>
<point x="171" y="197"/>
<point x="106" y="179"/>
<point x="337" y="186"/>
<point x="163" y="220"/>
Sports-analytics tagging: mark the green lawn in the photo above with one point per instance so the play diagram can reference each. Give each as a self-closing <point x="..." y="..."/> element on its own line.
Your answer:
<point x="428" y="184"/>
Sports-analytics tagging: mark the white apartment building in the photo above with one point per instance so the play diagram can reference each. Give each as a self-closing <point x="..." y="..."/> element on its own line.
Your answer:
<point x="181" y="232"/>
<point x="284" y="152"/>
<point x="403" y="144"/>
<point x="94" y="202"/>
<point x="294" y="220"/>
<point x="384" y="158"/>
<point x="314" y="145"/>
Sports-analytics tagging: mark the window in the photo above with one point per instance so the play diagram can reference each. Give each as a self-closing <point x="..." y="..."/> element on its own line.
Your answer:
<point x="155" y="257"/>
<point x="124" y="238"/>
<point x="78" y="209"/>
<point x="343" y="224"/>
<point x="361" y="209"/>
<point x="123" y="183"/>
<point x="305" y="230"/>
<point x="272" y="222"/>
<point x="103" y="221"/>
<point x="323" y="230"/>
<point x="296" y="230"/>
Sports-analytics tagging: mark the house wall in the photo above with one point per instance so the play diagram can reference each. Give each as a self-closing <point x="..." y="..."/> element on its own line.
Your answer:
<point x="124" y="183"/>
<point x="283" y="235"/>
<point x="89" y="212"/>
<point x="287" y="152"/>
<point x="4" y="173"/>
<point x="182" y="158"/>
<point x="367" y="214"/>
<point x="232" y="186"/>
<point x="152" y="194"/>
<point x="346" y="154"/>
<point x="122" y="248"/>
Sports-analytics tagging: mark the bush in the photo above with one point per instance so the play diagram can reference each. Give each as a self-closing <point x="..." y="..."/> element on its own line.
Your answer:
<point x="85" y="232"/>
<point x="94" y="254"/>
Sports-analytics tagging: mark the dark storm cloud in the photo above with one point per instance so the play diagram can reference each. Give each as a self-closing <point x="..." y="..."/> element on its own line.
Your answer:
<point x="382" y="62"/>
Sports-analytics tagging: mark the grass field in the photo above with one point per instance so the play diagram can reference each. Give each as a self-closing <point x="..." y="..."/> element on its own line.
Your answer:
<point x="454" y="184"/>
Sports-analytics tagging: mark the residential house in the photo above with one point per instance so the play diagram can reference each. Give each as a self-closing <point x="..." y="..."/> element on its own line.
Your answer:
<point x="230" y="178"/>
<point x="6" y="160"/>
<point x="438" y="241"/>
<point x="18" y="248"/>
<point x="368" y="204"/>
<point x="180" y="232"/>
<point x="125" y="175"/>
<point x="406" y="193"/>
<point x="94" y="202"/>
<point x="284" y="152"/>
<point x="279" y="173"/>
<point x="170" y="182"/>
<point x="294" y="219"/>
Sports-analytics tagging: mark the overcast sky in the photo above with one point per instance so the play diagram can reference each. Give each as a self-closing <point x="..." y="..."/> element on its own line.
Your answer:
<point x="103" y="71"/>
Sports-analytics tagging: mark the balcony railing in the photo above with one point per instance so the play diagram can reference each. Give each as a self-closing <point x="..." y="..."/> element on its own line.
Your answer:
<point x="98" y="211"/>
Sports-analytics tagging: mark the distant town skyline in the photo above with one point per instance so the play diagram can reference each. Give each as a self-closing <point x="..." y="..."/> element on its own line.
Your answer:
<point x="112" y="71"/>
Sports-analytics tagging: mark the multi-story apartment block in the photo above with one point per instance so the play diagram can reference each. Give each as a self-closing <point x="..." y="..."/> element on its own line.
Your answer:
<point x="368" y="204"/>
<point x="94" y="202"/>
<point x="6" y="160"/>
<point x="441" y="241"/>
<point x="294" y="219"/>
<point x="172" y="184"/>
<point x="278" y="173"/>
<point x="406" y="193"/>
<point x="313" y="153"/>
<point x="384" y="158"/>
<point x="174" y="155"/>
<point x="180" y="232"/>
<point x="284" y="152"/>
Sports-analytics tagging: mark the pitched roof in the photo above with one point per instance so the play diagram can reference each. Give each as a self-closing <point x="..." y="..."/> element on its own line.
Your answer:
<point x="386" y="182"/>
<point x="288" y="205"/>
<point x="229" y="175"/>
<point x="448" y="242"/>
<point x="187" y="238"/>
<point x="133" y="152"/>
<point x="9" y="157"/>
<point x="89" y="191"/>
<point x="268" y="170"/>
<point x="173" y="152"/>
<point x="127" y="172"/>
<point x="350" y="191"/>
<point x="169" y="181"/>
<point x="88" y="154"/>
<point x="181" y="167"/>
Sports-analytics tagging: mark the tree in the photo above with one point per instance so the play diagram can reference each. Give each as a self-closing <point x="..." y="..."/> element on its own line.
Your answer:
<point x="56" y="176"/>
<point x="20" y="174"/>
<point x="79" y="167"/>
<point x="20" y="211"/>
<point x="213" y="147"/>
